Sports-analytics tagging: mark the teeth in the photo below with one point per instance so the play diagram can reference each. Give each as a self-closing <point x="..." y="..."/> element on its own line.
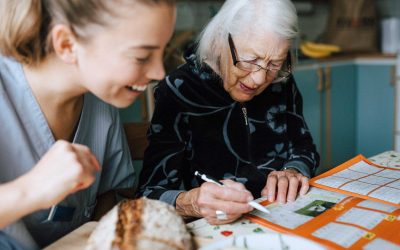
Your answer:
<point x="138" y="88"/>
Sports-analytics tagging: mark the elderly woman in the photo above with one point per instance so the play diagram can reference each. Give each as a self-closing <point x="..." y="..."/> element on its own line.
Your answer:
<point x="233" y="112"/>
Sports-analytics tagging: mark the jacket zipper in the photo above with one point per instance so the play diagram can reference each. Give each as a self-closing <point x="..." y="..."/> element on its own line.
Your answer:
<point x="244" y="111"/>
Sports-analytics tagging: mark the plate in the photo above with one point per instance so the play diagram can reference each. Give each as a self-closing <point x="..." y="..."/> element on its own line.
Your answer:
<point x="273" y="241"/>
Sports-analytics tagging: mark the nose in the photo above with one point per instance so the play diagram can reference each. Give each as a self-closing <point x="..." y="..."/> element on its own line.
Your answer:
<point x="156" y="71"/>
<point x="259" y="77"/>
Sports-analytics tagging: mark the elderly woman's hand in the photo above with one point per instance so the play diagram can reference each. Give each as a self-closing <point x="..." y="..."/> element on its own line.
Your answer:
<point x="204" y="201"/>
<point x="284" y="185"/>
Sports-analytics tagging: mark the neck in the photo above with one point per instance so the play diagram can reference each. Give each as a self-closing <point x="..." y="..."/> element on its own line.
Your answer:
<point x="59" y="94"/>
<point x="53" y="83"/>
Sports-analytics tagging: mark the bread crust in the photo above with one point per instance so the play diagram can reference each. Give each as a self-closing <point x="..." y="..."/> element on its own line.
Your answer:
<point x="141" y="224"/>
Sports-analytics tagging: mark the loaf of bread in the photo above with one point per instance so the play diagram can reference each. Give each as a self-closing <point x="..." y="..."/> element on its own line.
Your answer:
<point x="141" y="224"/>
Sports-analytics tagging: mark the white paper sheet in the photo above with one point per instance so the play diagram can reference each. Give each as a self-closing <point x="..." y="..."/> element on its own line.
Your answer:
<point x="377" y="206"/>
<point x="387" y="194"/>
<point x="362" y="217"/>
<point x="382" y="244"/>
<point x="342" y="235"/>
<point x="304" y="209"/>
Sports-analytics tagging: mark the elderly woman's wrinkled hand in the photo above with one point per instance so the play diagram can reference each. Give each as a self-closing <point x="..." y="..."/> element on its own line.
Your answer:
<point x="205" y="201"/>
<point x="284" y="185"/>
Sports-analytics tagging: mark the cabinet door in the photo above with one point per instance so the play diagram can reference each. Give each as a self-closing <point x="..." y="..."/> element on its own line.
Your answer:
<point x="136" y="112"/>
<point x="375" y="109"/>
<point x="341" y="102"/>
<point x="309" y="82"/>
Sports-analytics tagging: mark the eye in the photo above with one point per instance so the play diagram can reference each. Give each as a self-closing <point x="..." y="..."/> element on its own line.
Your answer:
<point x="142" y="60"/>
<point x="275" y="65"/>
<point x="248" y="58"/>
<point x="252" y="61"/>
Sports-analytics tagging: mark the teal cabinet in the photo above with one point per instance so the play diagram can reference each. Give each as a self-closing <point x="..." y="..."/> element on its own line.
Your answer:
<point x="329" y="109"/>
<point x="309" y="82"/>
<point x="375" y="109"/>
<point x="136" y="112"/>
<point x="349" y="108"/>
<point x="341" y="128"/>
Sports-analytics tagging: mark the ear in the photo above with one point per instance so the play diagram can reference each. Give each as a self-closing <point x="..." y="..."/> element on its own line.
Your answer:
<point x="64" y="43"/>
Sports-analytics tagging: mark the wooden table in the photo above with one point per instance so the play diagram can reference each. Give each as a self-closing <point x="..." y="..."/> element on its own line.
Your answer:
<point x="204" y="232"/>
<point x="76" y="240"/>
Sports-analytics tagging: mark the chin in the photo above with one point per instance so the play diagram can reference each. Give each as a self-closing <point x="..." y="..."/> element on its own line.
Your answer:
<point x="122" y="104"/>
<point x="242" y="98"/>
<point x="118" y="103"/>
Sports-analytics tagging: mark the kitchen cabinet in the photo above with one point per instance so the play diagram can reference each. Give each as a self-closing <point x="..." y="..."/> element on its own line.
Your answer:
<point x="329" y="109"/>
<point x="375" y="108"/>
<point x="341" y="128"/>
<point x="136" y="112"/>
<point x="349" y="108"/>
<point x="309" y="81"/>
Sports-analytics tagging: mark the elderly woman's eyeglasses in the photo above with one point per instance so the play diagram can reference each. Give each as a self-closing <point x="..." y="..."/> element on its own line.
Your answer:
<point x="280" y="72"/>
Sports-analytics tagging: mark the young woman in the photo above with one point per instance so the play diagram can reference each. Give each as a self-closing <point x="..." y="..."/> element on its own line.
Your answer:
<point x="65" y="67"/>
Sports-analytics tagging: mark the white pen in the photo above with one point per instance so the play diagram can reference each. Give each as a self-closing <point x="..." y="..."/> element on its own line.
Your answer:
<point x="215" y="181"/>
<point x="51" y="213"/>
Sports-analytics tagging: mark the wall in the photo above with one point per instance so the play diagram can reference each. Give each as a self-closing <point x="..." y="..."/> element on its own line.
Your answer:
<point x="388" y="8"/>
<point x="195" y="14"/>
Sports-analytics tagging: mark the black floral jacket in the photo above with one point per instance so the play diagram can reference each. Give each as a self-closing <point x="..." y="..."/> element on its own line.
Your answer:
<point x="198" y="126"/>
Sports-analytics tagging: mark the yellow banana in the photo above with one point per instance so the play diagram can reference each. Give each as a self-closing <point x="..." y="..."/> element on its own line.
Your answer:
<point x="322" y="46"/>
<point x="314" y="53"/>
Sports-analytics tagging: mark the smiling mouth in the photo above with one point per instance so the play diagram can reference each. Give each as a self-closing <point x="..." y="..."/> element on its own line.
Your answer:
<point x="247" y="89"/>
<point x="137" y="88"/>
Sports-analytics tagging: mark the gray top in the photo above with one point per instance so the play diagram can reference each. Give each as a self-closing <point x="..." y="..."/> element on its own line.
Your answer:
<point x="25" y="137"/>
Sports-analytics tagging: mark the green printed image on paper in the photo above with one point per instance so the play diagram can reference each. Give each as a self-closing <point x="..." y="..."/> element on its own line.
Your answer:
<point x="315" y="208"/>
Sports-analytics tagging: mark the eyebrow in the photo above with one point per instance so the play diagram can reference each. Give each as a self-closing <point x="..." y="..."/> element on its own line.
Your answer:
<point x="255" y="57"/>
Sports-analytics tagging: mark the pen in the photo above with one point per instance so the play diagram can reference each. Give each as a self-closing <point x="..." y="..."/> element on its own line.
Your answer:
<point x="51" y="213"/>
<point x="215" y="181"/>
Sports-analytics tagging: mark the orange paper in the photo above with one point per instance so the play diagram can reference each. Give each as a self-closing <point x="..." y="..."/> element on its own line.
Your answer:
<point x="352" y="206"/>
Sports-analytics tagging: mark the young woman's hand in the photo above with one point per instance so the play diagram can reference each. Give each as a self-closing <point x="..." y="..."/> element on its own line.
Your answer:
<point x="205" y="201"/>
<point x="64" y="169"/>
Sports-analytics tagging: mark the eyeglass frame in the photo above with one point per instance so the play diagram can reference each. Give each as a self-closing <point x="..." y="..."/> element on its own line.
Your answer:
<point x="288" y="62"/>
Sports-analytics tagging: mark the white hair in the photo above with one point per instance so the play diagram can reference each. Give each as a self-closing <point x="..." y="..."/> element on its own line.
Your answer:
<point x="246" y="18"/>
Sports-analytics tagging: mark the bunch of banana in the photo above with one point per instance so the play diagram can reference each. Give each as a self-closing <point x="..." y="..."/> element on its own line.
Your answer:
<point x="318" y="50"/>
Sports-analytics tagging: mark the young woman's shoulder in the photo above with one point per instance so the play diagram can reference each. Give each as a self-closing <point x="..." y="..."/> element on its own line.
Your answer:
<point x="9" y="68"/>
<point x="12" y="77"/>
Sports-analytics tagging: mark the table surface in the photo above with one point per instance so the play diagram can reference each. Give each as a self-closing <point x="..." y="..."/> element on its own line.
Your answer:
<point x="204" y="232"/>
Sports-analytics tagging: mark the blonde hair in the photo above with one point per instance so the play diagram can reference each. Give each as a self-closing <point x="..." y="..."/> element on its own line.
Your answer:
<point x="25" y="24"/>
<point x="239" y="17"/>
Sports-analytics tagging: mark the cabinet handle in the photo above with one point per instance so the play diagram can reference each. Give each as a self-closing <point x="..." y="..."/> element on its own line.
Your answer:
<point x="393" y="76"/>
<point x="328" y="84"/>
<point x="320" y="85"/>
